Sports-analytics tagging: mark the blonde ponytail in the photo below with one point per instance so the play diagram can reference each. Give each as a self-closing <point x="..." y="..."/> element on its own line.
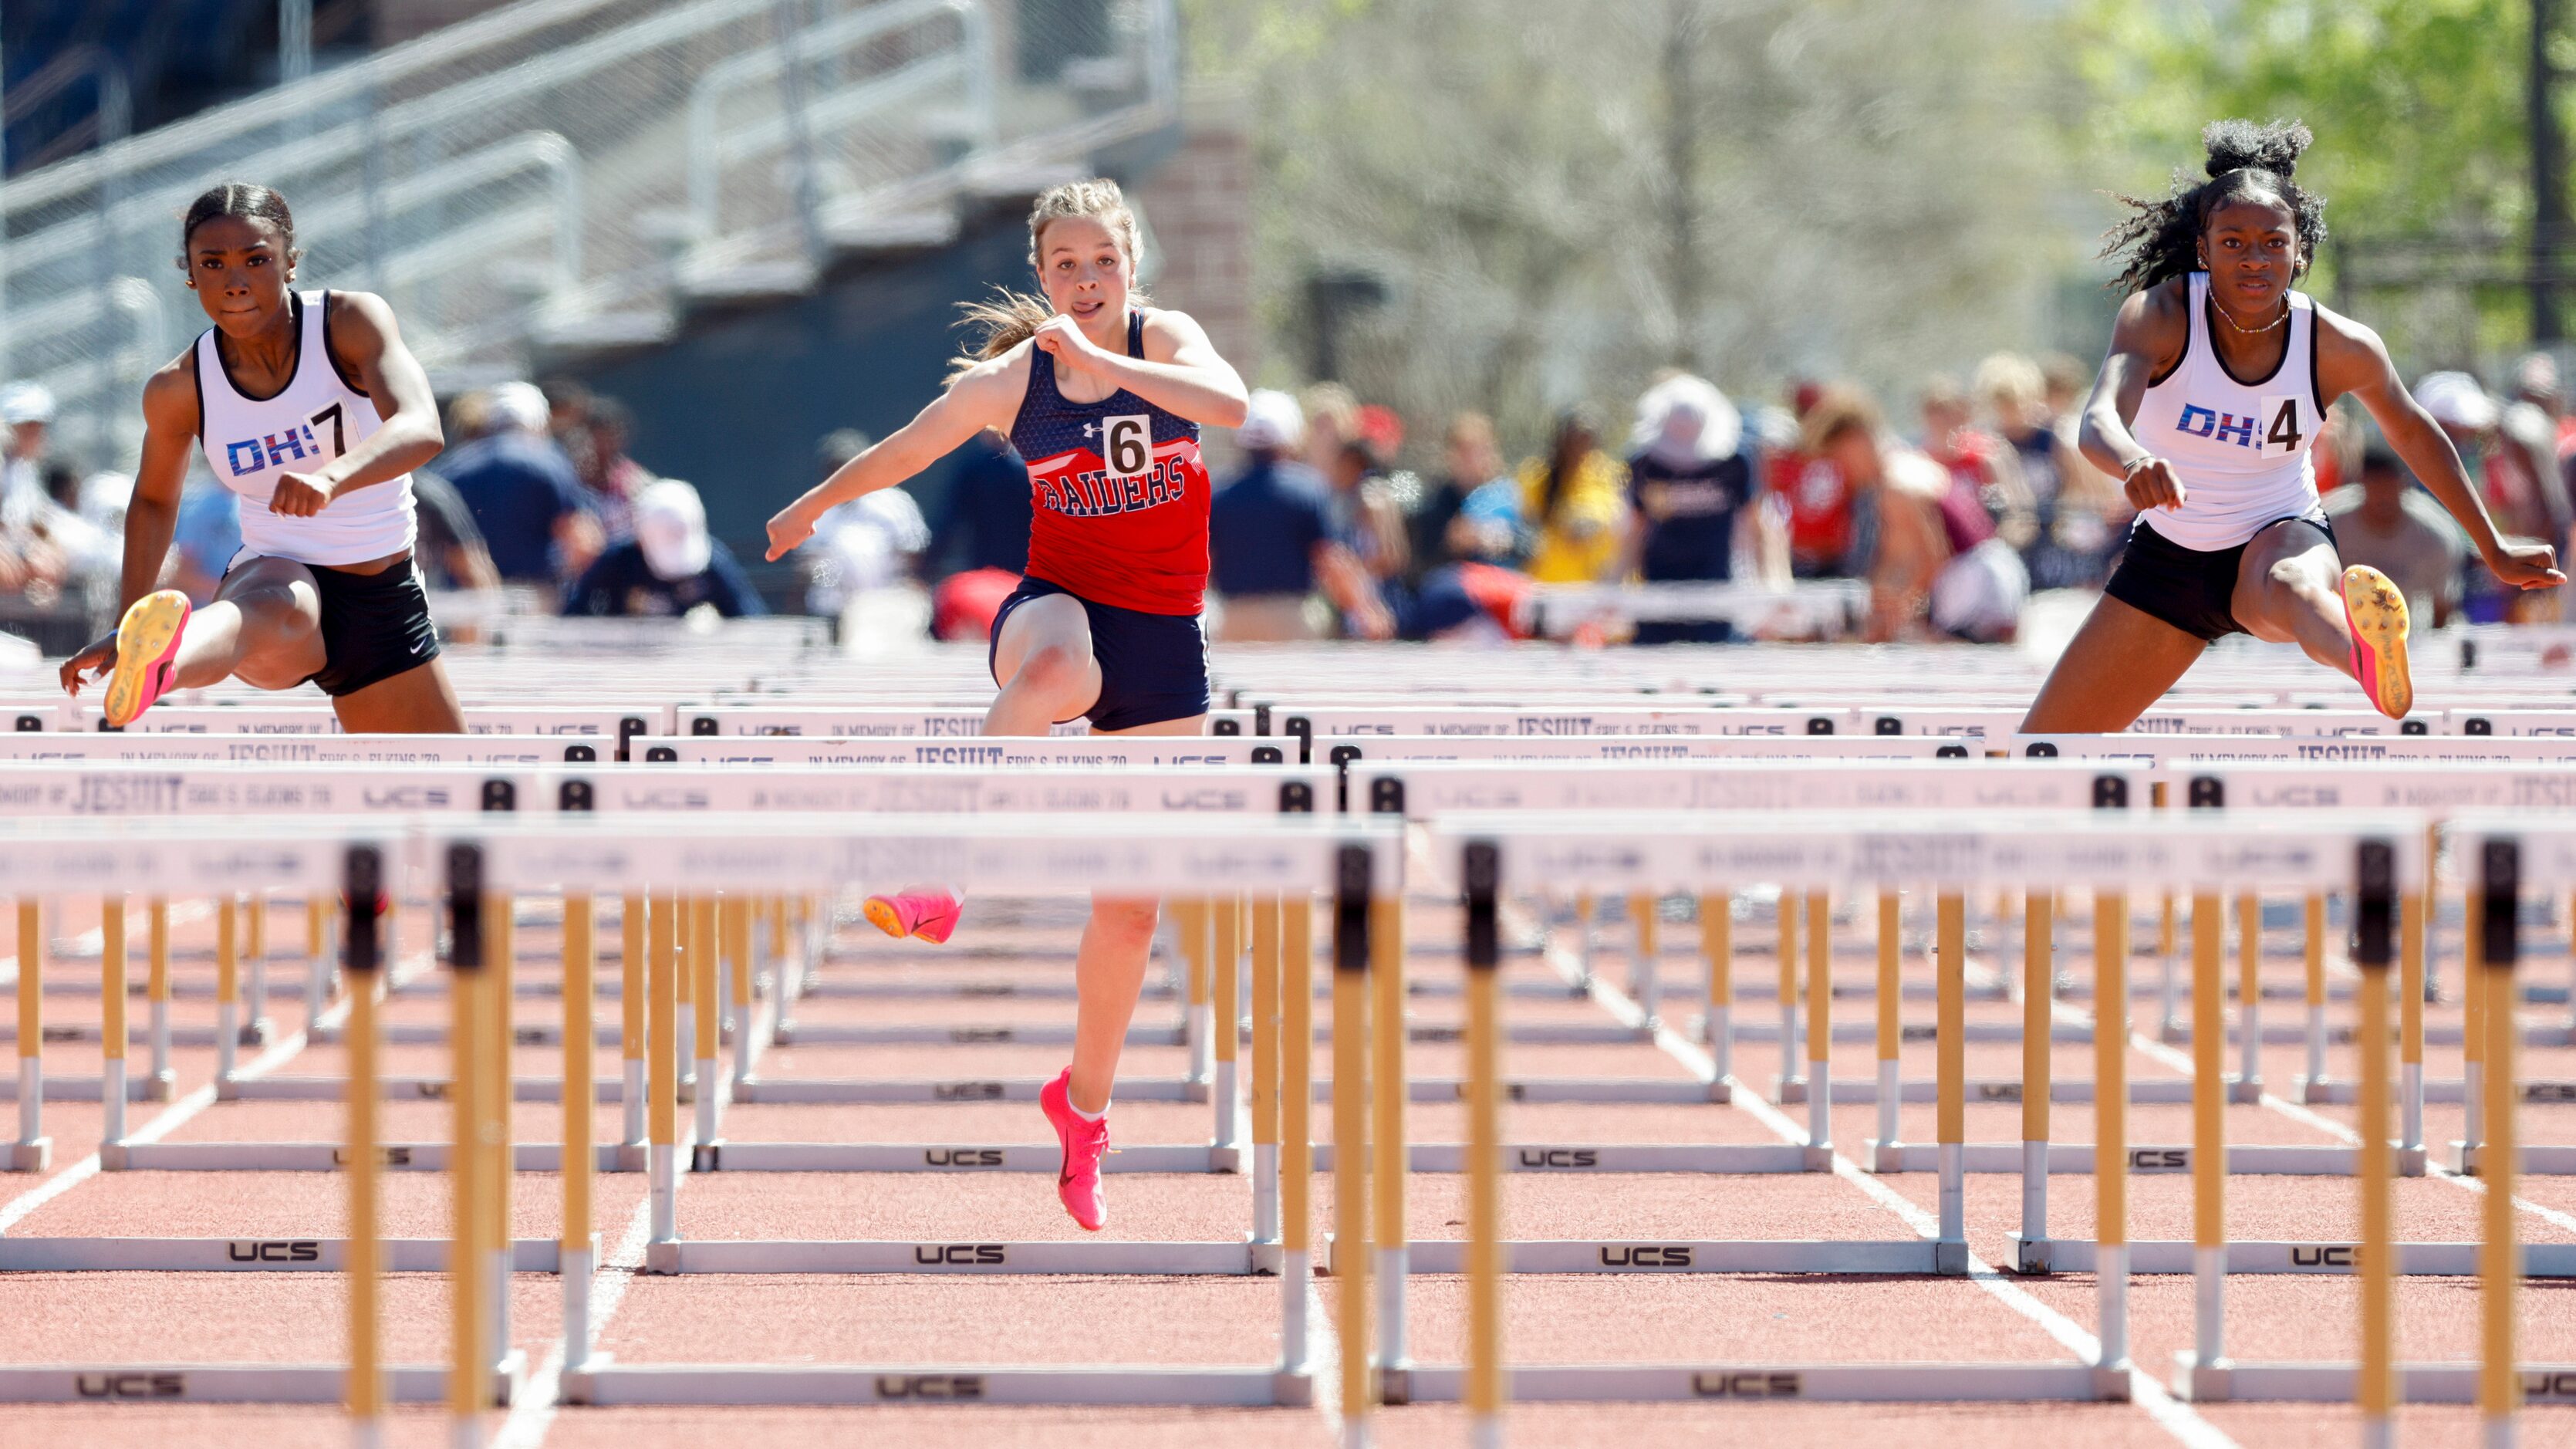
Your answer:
<point x="1009" y="318"/>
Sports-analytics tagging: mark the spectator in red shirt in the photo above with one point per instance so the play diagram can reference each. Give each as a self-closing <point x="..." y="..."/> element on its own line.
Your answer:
<point x="1818" y="497"/>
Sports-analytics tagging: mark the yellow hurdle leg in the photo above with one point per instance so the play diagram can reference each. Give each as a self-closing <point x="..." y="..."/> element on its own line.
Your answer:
<point x="580" y="1247"/>
<point x="2500" y="1254"/>
<point x="1296" y="1124"/>
<point x="112" y="1033"/>
<point x="1485" y="1147"/>
<point x="33" y="1151"/>
<point x="470" y="1168"/>
<point x="632" y="998"/>
<point x="1225" y="920"/>
<point x="1788" y="914"/>
<point x="2038" y="1021"/>
<point x="366" y="1393"/>
<point x="1265" y="1069"/>
<point x="2249" y="998"/>
<point x="1388" y="1165"/>
<point x="1350" y="1153"/>
<point x="1820" y="1032"/>
<point x="2111" y="1126"/>
<point x="2208" y="1132"/>
<point x="157" y="994"/>
<point x="1717" y="945"/>
<point x="1885" y="1152"/>
<point x="1950" y="1070"/>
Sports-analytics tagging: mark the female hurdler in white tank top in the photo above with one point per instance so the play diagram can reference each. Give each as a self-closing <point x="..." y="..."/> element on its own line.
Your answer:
<point x="251" y="442"/>
<point x="2240" y="446"/>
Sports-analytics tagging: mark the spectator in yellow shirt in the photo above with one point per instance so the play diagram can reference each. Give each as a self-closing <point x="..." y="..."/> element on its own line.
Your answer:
<point x="1576" y="500"/>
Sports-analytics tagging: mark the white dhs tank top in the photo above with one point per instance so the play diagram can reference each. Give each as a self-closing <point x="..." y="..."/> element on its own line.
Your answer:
<point x="2240" y="448"/>
<point x="250" y="442"/>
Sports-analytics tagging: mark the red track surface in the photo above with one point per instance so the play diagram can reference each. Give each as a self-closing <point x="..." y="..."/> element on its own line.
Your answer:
<point x="792" y="1319"/>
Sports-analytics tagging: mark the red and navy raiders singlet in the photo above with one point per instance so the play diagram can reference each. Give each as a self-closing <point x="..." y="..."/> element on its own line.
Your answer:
<point x="1120" y="498"/>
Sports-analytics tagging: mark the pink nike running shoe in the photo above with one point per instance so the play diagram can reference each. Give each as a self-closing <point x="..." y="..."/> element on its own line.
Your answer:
<point x="926" y="913"/>
<point x="2375" y="610"/>
<point x="147" y="650"/>
<point x="1085" y="1143"/>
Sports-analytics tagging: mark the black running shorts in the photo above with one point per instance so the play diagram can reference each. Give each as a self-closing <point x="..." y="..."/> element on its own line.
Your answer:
<point x="2192" y="589"/>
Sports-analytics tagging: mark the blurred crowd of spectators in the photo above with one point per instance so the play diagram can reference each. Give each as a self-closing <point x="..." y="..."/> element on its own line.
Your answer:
<point x="1952" y="524"/>
<point x="1329" y="526"/>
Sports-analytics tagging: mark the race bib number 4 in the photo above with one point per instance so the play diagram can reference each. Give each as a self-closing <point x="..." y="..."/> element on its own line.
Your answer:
<point x="2283" y="425"/>
<point x="1127" y="445"/>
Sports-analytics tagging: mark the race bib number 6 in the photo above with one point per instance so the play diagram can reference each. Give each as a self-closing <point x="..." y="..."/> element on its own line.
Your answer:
<point x="1127" y="445"/>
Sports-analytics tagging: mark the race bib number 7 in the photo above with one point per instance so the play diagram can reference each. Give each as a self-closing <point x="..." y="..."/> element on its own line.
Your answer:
<point x="1127" y="445"/>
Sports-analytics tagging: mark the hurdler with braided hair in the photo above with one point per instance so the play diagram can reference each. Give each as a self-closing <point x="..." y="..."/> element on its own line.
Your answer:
<point x="2216" y="386"/>
<point x="307" y="405"/>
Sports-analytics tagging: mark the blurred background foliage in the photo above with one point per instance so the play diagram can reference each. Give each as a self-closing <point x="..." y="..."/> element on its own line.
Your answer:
<point x="1516" y="204"/>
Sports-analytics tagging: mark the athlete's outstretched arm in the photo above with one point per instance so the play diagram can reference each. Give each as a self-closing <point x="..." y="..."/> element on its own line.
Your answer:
<point x="360" y="333"/>
<point x="986" y="395"/>
<point x="1179" y="373"/>
<point x="2150" y="333"/>
<point x="169" y="429"/>
<point x="2351" y="359"/>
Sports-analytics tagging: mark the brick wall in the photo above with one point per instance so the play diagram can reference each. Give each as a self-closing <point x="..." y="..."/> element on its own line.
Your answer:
<point x="1199" y="204"/>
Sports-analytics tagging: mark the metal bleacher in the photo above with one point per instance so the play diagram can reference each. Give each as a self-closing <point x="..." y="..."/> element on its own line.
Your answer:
<point x="562" y="176"/>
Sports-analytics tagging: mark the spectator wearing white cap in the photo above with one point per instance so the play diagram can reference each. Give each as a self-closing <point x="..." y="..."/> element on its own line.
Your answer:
<point x="526" y="499"/>
<point x="30" y="476"/>
<point x="42" y="541"/>
<point x="1691" y="487"/>
<point x="1270" y="540"/>
<point x="864" y="547"/>
<point x="671" y="567"/>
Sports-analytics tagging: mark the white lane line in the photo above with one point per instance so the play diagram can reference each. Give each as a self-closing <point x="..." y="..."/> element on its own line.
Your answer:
<point x="167" y="1121"/>
<point x="1324" y="1360"/>
<point x="533" y="1413"/>
<point x="2300" y="1113"/>
<point x="2170" y="1414"/>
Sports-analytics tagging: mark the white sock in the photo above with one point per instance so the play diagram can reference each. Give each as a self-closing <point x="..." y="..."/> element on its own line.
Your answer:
<point x="1086" y="1116"/>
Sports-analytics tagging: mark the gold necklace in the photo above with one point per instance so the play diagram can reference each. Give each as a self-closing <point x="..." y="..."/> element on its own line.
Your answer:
<point x="2244" y="331"/>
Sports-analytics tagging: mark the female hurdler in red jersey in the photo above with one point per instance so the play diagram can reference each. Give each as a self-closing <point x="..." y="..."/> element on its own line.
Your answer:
<point x="1104" y="398"/>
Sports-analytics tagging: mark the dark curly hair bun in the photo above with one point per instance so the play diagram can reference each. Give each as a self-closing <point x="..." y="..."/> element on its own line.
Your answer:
<point x="2159" y="239"/>
<point x="2244" y="146"/>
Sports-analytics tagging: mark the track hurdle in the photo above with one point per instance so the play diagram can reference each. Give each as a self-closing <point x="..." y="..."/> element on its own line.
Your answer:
<point x="1182" y="855"/>
<point x="1493" y="852"/>
<point x="2511" y="853"/>
<point x="59" y="858"/>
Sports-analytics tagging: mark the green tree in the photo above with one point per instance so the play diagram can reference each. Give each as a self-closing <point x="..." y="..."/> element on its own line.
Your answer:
<point x="1563" y="198"/>
<point x="2421" y="147"/>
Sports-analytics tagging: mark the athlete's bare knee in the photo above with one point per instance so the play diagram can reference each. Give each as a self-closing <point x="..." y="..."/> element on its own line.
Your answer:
<point x="1125" y="920"/>
<point x="1052" y="671"/>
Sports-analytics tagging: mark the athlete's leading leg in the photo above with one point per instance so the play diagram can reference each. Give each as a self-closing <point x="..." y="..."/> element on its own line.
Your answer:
<point x="2291" y="588"/>
<point x="2120" y="662"/>
<point x="2288" y="592"/>
<point x="418" y="701"/>
<point x="265" y="625"/>
<point x="1044" y="663"/>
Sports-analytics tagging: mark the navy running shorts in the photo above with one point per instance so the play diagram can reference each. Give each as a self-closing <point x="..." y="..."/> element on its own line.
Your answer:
<point x="1153" y="667"/>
